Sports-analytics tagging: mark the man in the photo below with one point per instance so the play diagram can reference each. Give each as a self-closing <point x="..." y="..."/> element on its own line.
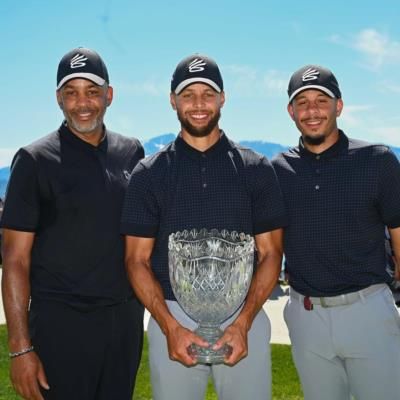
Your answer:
<point x="340" y="194"/>
<point x="62" y="250"/>
<point x="203" y="180"/>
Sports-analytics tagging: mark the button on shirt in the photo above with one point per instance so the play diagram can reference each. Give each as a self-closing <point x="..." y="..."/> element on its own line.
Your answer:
<point x="338" y="203"/>
<point x="70" y="194"/>
<point x="225" y="187"/>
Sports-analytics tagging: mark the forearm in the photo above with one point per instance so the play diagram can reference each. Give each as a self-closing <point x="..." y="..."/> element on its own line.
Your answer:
<point x="263" y="283"/>
<point x="395" y="239"/>
<point x="16" y="295"/>
<point x="150" y="293"/>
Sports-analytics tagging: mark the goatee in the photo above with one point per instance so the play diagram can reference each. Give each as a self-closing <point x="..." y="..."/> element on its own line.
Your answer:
<point x="199" y="132"/>
<point x="314" y="141"/>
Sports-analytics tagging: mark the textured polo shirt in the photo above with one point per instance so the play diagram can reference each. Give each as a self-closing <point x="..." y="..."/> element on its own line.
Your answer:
<point x="70" y="194"/>
<point x="339" y="202"/>
<point x="225" y="187"/>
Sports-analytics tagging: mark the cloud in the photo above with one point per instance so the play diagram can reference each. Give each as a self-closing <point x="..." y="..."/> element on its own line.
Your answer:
<point x="275" y="82"/>
<point x="248" y="81"/>
<point x="390" y="87"/>
<point x="377" y="48"/>
<point x="150" y="88"/>
<point x="354" y="115"/>
<point x="6" y="156"/>
<point x="388" y="134"/>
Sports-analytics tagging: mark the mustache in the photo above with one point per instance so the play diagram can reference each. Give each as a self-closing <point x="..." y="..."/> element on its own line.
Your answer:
<point x="313" y="119"/>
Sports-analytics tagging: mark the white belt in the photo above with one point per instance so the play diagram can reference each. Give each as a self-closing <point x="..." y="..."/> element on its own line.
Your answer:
<point x="341" y="300"/>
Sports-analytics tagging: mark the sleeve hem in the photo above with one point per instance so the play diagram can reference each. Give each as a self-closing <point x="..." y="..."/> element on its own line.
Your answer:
<point x="268" y="226"/>
<point x="19" y="228"/>
<point x="148" y="231"/>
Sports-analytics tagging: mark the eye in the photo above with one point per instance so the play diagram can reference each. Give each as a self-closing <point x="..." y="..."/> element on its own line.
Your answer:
<point x="93" y="92"/>
<point x="69" y="92"/>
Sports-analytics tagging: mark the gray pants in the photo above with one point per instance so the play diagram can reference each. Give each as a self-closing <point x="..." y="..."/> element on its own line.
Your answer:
<point x="249" y="379"/>
<point x="344" y="350"/>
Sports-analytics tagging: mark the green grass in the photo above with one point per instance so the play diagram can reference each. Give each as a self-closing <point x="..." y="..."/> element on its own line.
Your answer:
<point x="285" y="382"/>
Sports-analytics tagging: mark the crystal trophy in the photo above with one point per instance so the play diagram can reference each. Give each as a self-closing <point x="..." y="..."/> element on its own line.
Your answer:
<point x="210" y="274"/>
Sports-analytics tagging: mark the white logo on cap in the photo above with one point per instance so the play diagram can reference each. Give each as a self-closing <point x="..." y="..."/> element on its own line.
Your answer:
<point x="197" y="65"/>
<point x="310" y="75"/>
<point x="78" y="61"/>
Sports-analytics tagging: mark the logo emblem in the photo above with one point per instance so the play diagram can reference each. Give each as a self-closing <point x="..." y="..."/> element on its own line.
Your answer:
<point x="310" y="75"/>
<point x="127" y="175"/>
<point x="78" y="61"/>
<point x="197" y="65"/>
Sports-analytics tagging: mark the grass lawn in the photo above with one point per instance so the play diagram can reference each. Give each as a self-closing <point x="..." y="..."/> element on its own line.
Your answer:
<point x="285" y="383"/>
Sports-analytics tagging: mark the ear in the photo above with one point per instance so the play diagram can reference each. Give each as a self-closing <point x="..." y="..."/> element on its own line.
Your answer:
<point x="172" y="100"/>
<point x="59" y="99"/>
<point x="290" y="110"/>
<point x="110" y="95"/>
<point x="222" y="98"/>
<point x="339" y="107"/>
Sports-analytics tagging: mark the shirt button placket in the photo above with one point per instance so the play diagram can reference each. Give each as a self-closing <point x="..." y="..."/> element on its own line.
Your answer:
<point x="317" y="172"/>
<point x="203" y="170"/>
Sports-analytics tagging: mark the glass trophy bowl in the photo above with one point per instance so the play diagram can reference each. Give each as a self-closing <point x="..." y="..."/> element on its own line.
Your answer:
<point x="210" y="274"/>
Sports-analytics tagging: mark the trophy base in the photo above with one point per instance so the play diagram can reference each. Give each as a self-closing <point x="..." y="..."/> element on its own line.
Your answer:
<point x="206" y="355"/>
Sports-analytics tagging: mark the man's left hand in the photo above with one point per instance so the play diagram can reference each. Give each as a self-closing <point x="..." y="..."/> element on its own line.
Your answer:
<point x="235" y="336"/>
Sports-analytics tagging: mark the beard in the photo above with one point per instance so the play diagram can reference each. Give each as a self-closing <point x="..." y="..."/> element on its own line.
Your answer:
<point x="199" y="132"/>
<point x="314" y="141"/>
<point x="83" y="127"/>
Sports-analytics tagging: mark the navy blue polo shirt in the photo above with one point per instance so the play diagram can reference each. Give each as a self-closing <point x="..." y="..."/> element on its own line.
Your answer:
<point x="339" y="202"/>
<point x="70" y="194"/>
<point x="225" y="187"/>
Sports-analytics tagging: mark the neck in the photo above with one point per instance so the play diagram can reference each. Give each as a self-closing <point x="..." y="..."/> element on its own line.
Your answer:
<point x="94" y="138"/>
<point x="201" y="143"/>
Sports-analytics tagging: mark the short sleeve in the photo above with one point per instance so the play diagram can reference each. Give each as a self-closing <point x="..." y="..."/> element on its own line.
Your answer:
<point x="22" y="202"/>
<point x="389" y="189"/>
<point x="140" y="213"/>
<point x="268" y="207"/>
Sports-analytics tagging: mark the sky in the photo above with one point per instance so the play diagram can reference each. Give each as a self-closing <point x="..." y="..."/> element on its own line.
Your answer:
<point x="257" y="44"/>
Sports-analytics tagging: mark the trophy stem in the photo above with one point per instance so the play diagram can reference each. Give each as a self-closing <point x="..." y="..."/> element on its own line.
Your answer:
<point x="208" y="355"/>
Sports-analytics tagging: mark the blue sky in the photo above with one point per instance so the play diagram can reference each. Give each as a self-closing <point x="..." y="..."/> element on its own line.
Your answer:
<point x="257" y="44"/>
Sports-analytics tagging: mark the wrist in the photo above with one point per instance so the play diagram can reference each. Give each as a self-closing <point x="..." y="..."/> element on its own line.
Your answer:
<point x="26" y="350"/>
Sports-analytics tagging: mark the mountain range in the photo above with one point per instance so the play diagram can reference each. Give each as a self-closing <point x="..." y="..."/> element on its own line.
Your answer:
<point x="156" y="143"/>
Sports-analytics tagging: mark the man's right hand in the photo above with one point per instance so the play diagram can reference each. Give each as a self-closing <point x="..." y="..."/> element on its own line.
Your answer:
<point x="179" y="340"/>
<point x="27" y="375"/>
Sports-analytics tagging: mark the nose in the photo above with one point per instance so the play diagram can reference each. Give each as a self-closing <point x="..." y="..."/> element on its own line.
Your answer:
<point x="313" y="108"/>
<point x="198" y="102"/>
<point x="82" y="99"/>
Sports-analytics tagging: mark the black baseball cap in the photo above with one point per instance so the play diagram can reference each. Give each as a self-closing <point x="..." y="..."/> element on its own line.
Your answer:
<point x="194" y="69"/>
<point x="313" y="77"/>
<point x="82" y="63"/>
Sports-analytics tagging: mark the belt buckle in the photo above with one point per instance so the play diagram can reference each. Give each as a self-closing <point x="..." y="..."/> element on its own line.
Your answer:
<point x="308" y="305"/>
<point x="323" y="302"/>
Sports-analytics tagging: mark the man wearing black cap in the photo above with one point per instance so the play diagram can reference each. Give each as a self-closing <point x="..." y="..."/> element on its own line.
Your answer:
<point x="203" y="180"/>
<point x="340" y="194"/>
<point x="63" y="255"/>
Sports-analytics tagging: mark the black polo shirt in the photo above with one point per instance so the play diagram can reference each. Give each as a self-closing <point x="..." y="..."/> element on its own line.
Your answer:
<point x="225" y="187"/>
<point x="339" y="202"/>
<point x="70" y="194"/>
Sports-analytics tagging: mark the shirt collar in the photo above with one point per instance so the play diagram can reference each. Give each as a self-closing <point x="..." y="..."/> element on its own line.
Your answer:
<point x="341" y="144"/>
<point x="68" y="135"/>
<point x="220" y="146"/>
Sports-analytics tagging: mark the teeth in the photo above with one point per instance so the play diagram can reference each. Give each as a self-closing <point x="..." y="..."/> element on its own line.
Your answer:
<point x="199" y="116"/>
